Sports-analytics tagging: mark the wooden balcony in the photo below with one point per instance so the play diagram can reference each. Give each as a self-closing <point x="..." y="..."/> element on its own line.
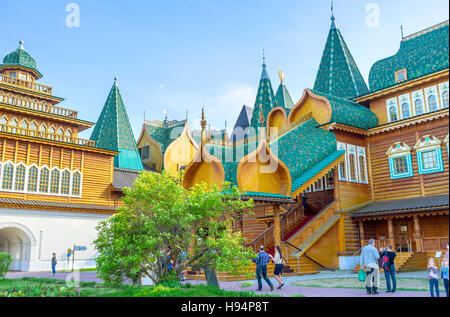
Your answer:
<point x="46" y="135"/>
<point x="34" y="104"/>
<point x="13" y="81"/>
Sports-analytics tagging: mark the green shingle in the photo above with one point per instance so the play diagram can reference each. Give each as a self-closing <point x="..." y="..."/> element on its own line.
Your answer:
<point x="165" y="132"/>
<point x="20" y="58"/>
<point x="113" y="132"/>
<point x="283" y="98"/>
<point x="421" y="55"/>
<point x="338" y="73"/>
<point x="349" y="113"/>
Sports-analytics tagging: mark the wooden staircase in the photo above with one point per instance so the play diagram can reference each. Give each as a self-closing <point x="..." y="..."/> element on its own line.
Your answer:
<point x="352" y="243"/>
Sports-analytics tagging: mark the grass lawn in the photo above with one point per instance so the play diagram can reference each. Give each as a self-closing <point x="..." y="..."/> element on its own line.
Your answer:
<point x="36" y="287"/>
<point x="403" y="284"/>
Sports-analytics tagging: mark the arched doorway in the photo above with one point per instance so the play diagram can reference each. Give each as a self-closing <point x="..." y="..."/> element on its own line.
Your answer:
<point x="16" y="240"/>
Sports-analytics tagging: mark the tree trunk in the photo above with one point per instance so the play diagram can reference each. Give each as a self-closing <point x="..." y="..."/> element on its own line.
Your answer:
<point x="211" y="277"/>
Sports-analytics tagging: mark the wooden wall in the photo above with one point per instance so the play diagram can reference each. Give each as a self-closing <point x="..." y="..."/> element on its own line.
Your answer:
<point x="96" y="168"/>
<point x="251" y="226"/>
<point x="326" y="248"/>
<point x="385" y="188"/>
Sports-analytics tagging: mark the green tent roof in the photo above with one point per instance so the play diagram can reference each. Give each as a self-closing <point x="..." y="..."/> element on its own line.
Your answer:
<point x="421" y="55"/>
<point x="113" y="132"/>
<point x="283" y="98"/>
<point x="349" y="113"/>
<point x="265" y="99"/>
<point x="338" y="73"/>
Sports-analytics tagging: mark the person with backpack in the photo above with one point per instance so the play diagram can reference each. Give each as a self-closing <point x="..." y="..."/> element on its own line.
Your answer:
<point x="387" y="262"/>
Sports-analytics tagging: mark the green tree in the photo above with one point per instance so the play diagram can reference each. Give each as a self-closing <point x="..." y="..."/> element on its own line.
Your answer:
<point x="5" y="262"/>
<point x="163" y="228"/>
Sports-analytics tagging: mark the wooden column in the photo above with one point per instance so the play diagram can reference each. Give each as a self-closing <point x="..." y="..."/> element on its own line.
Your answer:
<point x="276" y="225"/>
<point x="361" y="233"/>
<point x="417" y="236"/>
<point x="391" y="238"/>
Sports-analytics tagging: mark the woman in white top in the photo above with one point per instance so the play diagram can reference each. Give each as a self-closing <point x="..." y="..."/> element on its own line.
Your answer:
<point x="278" y="260"/>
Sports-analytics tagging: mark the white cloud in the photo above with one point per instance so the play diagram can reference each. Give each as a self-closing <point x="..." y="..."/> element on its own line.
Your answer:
<point x="161" y="86"/>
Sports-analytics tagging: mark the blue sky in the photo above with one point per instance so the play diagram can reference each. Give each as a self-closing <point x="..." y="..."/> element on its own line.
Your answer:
<point x="178" y="55"/>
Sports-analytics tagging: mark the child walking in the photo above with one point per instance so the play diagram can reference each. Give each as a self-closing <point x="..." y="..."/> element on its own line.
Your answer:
<point x="433" y="277"/>
<point x="444" y="274"/>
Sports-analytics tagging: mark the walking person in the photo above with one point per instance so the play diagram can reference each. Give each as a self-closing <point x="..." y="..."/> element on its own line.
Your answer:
<point x="433" y="277"/>
<point x="54" y="262"/>
<point x="444" y="274"/>
<point x="261" y="268"/>
<point x="304" y="201"/>
<point x="369" y="263"/>
<point x="388" y="265"/>
<point x="279" y="263"/>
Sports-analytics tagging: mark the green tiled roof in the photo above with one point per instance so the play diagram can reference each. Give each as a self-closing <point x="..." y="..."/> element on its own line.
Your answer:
<point x="421" y="55"/>
<point x="349" y="113"/>
<point x="165" y="132"/>
<point x="20" y="58"/>
<point x="338" y="73"/>
<point x="310" y="173"/>
<point x="283" y="98"/>
<point x="265" y="99"/>
<point x="113" y="132"/>
<point x="302" y="147"/>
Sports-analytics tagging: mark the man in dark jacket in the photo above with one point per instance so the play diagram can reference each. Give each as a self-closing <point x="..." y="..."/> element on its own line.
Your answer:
<point x="261" y="268"/>
<point x="389" y="267"/>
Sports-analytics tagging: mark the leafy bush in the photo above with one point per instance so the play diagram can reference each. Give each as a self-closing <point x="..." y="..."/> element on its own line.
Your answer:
<point x="5" y="262"/>
<point x="40" y="290"/>
<point x="246" y="284"/>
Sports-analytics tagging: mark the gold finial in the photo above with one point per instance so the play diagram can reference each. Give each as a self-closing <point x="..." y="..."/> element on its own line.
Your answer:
<point x="281" y="74"/>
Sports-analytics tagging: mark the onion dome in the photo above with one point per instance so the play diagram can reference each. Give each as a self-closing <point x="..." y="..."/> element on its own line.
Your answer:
<point x="21" y="58"/>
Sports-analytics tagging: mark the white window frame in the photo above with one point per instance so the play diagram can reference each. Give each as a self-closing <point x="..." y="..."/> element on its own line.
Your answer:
<point x="351" y="149"/>
<point x="343" y="147"/>
<point x="362" y="153"/>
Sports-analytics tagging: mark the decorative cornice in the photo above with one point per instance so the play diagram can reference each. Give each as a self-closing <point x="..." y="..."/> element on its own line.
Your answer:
<point x="398" y="148"/>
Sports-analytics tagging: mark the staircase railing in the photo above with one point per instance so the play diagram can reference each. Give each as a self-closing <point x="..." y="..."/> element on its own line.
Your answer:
<point x="354" y="257"/>
<point x="294" y="213"/>
<point x="399" y="249"/>
<point x="306" y="256"/>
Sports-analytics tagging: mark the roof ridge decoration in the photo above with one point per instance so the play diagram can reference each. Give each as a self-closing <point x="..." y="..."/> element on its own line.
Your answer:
<point x="263" y="172"/>
<point x="204" y="168"/>
<point x="113" y="132"/>
<point x="338" y="73"/>
<point x="265" y="98"/>
<point x="180" y="152"/>
<point x="420" y="54"/>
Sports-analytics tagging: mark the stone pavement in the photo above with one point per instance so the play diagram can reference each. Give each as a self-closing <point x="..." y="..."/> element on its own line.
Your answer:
<point x="287" y="291"/>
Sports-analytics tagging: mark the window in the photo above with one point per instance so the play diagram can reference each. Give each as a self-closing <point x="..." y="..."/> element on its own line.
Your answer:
<point x="400" y="164"/>
<point x="318" y="185"/>
<point x="54" y="182"/>
<point x="12" y="74"/>
<point x="42" y="131"/>
<point x="43" y="180"/>
<point x="23" y="76"/>
<point x="400" y="75"/>
<point x="14" y="125"/>
<point x="405" y="110"/>
<point x="432" y="103"/>
<point x="3" y="124"/>
<point x="393" y="113"/>
<point x="76" y="184"/>
<point x="24" y="124"/>
<point x="145" y="152"/>
<point x="429" y="155"/>
<point x="65" y="183"/>
<point x="429" y="160"/>
<point x="342" y="174"/>
<point x="352" y="167"/>
<point x="68" y="135"/>
<point x="362" y="169"/>
<point x="33" y="128"/>
<point x="32" y="179"/>
<point x="418" y="107"/>
<point x="445" y="99"/>
<point x="329" y="182"/>
<point x="7" y="180"/>
<point x="19" y="182"/>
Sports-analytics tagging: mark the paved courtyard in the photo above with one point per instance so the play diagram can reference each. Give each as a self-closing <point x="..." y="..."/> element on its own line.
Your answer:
<point x="287" y="291"/>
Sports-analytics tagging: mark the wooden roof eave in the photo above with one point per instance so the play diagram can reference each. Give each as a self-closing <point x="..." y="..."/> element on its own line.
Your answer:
<point x="403" y="213"/>
<point x="56" y="143"/>
<point x="33" y="93"/>
<point x="318" y="176"/>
